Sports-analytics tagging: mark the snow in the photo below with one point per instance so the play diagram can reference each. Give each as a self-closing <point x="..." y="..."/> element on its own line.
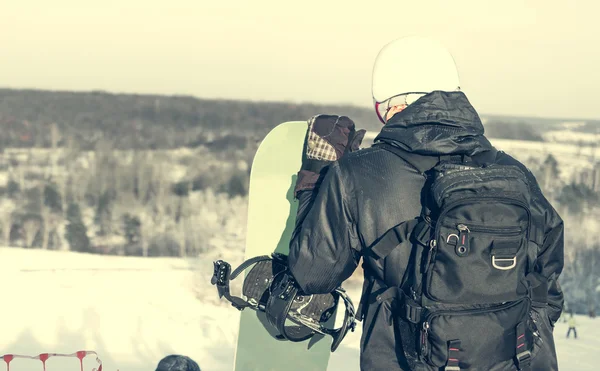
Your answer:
<point x="570" y="136"/>
<point x="135" y="311"/>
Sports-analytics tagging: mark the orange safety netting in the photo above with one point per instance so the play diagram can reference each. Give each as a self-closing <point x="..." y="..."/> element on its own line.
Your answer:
<point x="43" y="357"/>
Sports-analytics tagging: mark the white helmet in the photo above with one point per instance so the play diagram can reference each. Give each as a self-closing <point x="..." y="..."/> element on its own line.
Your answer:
<point x="411" y="64"/>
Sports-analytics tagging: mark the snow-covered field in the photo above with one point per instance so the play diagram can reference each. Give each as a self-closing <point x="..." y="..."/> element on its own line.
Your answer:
<point x="134" y="311"/>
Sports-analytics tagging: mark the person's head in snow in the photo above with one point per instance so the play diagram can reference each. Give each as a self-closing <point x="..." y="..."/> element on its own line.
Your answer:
<point x="439" y="218"/>
<point x="175" y="362"/>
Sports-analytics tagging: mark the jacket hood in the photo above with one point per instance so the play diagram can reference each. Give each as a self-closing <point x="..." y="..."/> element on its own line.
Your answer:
<point x="439" y="123"/>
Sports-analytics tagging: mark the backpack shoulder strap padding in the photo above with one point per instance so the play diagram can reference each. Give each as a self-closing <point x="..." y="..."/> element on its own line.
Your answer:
<point x="486" y="157"/>
<point x="416" y="228"/>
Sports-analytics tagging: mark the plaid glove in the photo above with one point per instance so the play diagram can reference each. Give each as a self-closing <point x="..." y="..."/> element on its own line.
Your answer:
<point x="328" y="138"/>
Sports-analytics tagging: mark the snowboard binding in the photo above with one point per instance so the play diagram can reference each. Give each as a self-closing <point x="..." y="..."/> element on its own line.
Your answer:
<point x="270" y="288"/>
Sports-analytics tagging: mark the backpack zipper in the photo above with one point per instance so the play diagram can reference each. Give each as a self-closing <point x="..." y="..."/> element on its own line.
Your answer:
<point x="465" y="230"/>
<point x="430" y="254"/>
<point x="428" y="319"/>
<point x="424" y="341"/>
<point x="462" y="312"/>
<point x="477" y="228"/>
<point x="452" y="205"/>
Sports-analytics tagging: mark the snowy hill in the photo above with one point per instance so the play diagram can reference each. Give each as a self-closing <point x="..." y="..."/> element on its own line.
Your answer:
<point x="134" y="311"/>
<point x="131" y="311"/>
<point x="572" y="157"/>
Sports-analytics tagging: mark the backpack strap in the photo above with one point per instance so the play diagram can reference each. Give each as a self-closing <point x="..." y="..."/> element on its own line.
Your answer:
<point x="364" y="297"/>
<point x="486" y="157"/>
<point x="406" y="307"/>
<point x="523" y="354"/>
<point x="417" y="229"/>
<point x="452" y="361"/>
<point x="538" y="289"/>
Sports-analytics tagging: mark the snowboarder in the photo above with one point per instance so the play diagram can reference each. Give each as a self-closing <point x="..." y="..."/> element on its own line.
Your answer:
<point x="349" y="199"/>
<point x="572" y="324"/>
<point x="175" y="362"/>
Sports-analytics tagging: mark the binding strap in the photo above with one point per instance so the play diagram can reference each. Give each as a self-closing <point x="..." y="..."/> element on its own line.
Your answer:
<point x="349" y="323"/>
<point x="278" y="306"/>
<point x="222" y="275"/>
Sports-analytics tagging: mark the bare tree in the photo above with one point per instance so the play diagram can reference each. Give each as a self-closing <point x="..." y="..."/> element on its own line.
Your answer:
<point x="105" y="162"/>
<point x="144" y="231"/>
<point x="143" y="174"/>
<point x="184" y="213"/>
<point x="31" y="227"/>
<point x="7" y="207"/>
<point x="7" y="222"/>
<point x="50" y="221"/>
<point x="182" y="236"/>
<point x="6" y="228"/>
<point x="54" y="138"/>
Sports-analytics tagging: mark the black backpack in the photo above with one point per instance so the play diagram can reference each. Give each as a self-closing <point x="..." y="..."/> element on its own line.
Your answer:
<point x="465" y="299"/>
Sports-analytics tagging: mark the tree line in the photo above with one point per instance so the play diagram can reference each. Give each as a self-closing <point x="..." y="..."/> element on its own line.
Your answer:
<point x="147" y="121"/>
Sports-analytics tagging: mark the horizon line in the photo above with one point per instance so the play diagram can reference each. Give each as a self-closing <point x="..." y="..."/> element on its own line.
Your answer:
<point x="267" y="101"/>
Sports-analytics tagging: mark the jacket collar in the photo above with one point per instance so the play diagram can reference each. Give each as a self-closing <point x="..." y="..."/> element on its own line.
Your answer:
<point x="439" y="123"/>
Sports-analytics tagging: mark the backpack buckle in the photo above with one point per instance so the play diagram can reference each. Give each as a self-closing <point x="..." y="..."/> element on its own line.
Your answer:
<point x="524" y="360"/>
<point x="504" y="268"/>
<point x="413" y="314"/>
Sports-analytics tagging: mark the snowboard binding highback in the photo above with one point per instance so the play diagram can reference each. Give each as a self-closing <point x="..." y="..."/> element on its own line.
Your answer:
<point x="270" y="288"/>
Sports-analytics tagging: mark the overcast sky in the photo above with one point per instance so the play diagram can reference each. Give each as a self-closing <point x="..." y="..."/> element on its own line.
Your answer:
<point x="538" y="58"/>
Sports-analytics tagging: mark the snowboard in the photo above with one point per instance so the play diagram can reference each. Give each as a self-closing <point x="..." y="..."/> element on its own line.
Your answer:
<point x="271" y="220"/>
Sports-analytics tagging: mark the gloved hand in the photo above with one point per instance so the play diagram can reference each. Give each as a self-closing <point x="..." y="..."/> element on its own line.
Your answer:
<point x="328" y="138"/>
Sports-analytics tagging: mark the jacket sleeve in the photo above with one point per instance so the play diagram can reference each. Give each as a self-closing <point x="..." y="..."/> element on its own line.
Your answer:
<point x="551" y="262"/>
<point x="324" y="248"/>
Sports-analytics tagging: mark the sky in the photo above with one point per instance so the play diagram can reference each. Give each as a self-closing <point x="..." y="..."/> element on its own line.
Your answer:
<point x="530" y="58"/>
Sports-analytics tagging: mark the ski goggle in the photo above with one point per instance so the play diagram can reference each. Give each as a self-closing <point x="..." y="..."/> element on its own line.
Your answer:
<point x="382" y="108"/>
<point x="269" y="288"/>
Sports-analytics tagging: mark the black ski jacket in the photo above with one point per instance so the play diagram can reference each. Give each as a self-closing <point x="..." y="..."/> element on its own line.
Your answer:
<point x="369" y="191"/>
